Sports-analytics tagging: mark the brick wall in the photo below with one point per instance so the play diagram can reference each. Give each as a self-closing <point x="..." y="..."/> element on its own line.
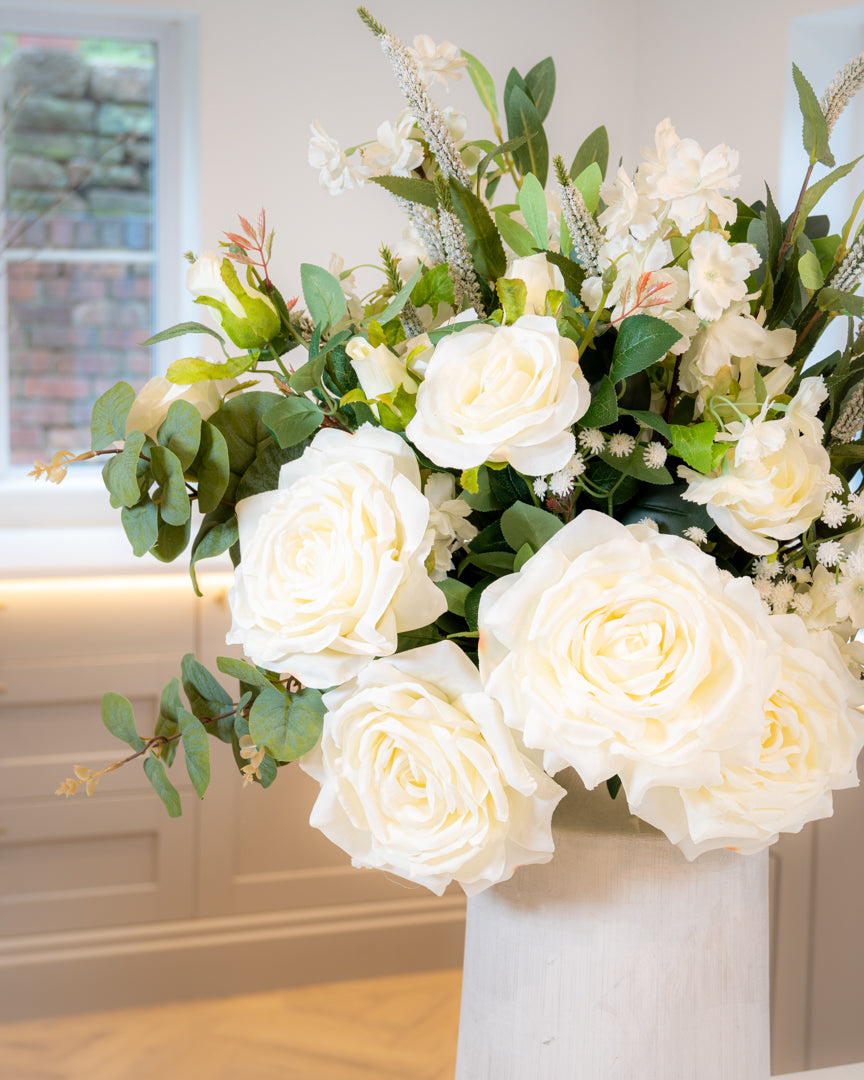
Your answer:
<point x="78" y="155"/>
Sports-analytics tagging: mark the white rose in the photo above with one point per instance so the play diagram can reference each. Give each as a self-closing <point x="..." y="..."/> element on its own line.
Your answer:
<point x="622" y="650"/>
<point x="333" y="561"/>
<point x="811" y="738"/>
<point x="155" y="398"/>
<point x="378" y="370"/>
<point x="539" y="276"/>
<point x="756" y="503"/>
<point x="501" y="393"/>
<point x="420" y="776"/>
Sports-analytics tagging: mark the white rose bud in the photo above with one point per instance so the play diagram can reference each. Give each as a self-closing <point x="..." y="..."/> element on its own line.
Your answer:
<point x="539" y="276"/>
<point x="151" y="405"/>
<point x="378" y="370"/>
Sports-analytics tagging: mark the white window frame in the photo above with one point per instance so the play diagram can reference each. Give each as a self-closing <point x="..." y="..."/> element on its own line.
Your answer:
<point x="82" y="498"/>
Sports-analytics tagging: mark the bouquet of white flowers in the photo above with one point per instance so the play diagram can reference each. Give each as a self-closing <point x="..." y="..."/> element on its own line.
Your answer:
<point x="568" y="489"/>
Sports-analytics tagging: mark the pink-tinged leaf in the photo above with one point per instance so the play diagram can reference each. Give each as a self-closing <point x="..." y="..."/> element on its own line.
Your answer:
<point x="247" y="228"/>
<point x="240" y="258"/>
<point x="262" y="225"/>
<point x="268" y="244"/>
<point x="238" y="240"/>
<point x="290" y="304"/>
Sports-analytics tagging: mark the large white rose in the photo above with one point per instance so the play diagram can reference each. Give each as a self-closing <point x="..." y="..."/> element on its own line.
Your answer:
<point x="156" y="397"/>
<point x="539" y="276"/>
<point x="501" y="393"/>
<point x="421" y="777"/>
<point x="618" y="649"/>
<point x="333" y="561"/>
<point x="811" y="738"/>
<point x="758" y="502"/>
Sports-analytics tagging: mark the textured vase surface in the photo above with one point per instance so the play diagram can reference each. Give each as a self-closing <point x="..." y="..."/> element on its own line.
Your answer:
<point x="618" y="960"/>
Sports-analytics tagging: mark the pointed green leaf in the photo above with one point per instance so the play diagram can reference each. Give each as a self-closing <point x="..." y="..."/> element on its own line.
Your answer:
<point x="523" y="119"/>
<point x="810" y="271"/>
<point x="815" y="192"/>
<point x="180" y="432"/>
<point x="167" y="723"/>
<point x="172" y="540"/>
<point x="398" y="302"/>
<point x="214" y="538"/>
<point x="434" y="288"/>
<point x="118" y="717"/>
<point x="844" y="303"/>
<point x="410" y="188"/>
<point x="495" y="152"/>
<point x="532" y="203"/>
<point x="650" y="420"/>
<point x="588" y="182"/>
<point x="513" y="293"/>
<point x="243" y="672"/>
<point x="815" y="129"/>
<point x="196" y="748"/>
<point x="141" y="525"/>
<point x="594" y="149"/>
<point x="484" y="243"/>
<point x="524" y="524"/>
<point x="206" y="696"/>
<point x="483" y="84"/>
<point x="634" y="466"/>
<point x="212" y="468"/>
<point x="155" y="773"/>
<point x="287" y="725"/>
<point x="455" y="592"/>
<point x="642" y="341"/>
<point x="325" y="300"/>
<point x="516" y="236"/>
<point x="695" y="444"/>
<point x="194" y="369"/>
<point x="540" y="83"/>
<point x="572" y="272"/>
<point x="603" y="409"/>
<point x="172" y="497"/>
<point x="108" y="422"/>
<point x="180" y="329"/>
<point x="293" y="419"/>
<point x="120" y="472"/>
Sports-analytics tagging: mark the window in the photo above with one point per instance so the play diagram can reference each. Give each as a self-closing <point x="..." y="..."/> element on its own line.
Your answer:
<point x="97" y="196"/>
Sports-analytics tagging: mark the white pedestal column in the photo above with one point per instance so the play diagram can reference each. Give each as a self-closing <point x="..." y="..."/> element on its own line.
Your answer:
<point x="618" y="960"/>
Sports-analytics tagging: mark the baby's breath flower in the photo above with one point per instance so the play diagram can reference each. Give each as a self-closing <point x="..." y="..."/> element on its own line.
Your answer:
<point x="621" y="444"/>
<point x="782" y="596"/>
<point x="654" y="455"/>
<point x="592" y="439"/>
<point x="834" y="513"/>
<point x="802" y="604"/>
<point x="763" y="586"/>
<point x="697" y="535"/>
<point x="802" y="574"/>
<point x="766" y="569"/>
<point x="834" y="484"/>
<point x="649" y="522"/>
<point x="540" y="486"/>
<point x="855" y="505"/>
<point x="561" y="483"/>
<point x="830" y="553"/>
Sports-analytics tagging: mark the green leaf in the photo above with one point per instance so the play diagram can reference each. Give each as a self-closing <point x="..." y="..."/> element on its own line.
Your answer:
<point x="572" y="272"/>
<point x="206" y="696"/>
<point x="172" y="497"/>
<point x="532" y="203"/>
<point x="468" y="480"/>
<point x="167" y="722"/>
<point x="180" y="432"/>
<point x="196" y="747"/>
<point x="588" y="182"/>
<point x="491" y="562"/>
<point x="603" y="409"/>
<point x="815" y="129"/>
<point x="120" y="472"/>
<point x="293" y="419"/>
<point x="287" y="725"/>
<point x="594" y="149"/>
<point x="194" y="369"/>
<point x="484" y="243"/>
<point x="155" y="773"/>
<point x="668" y="508"/>
<point x="401" y="298"/>
<point x="524" y="524"/>
<point x="434" y="288"/>
<point x="815" y="192"/>
<point x="212" y="468"/>
<point x="481" y="497"/>
<point x="613" y="786"/>
<point x="516" y="236"/>
<point x="141" y="524"/>
<point x="407" y="187"/>
<point x="456" y="593"/>
<point x="540" y="83"/>
<point x="180" y="329"/>
<point x="243" y="672"/>
<point x="642" y="341"/>
<point x="810" y="271"/>
<point x="325" y="301"/>
<point x="513" y="293"/>
<point x="695" y="444"/>
<point x="650" y="420"/>
<point x="213" y="538"/>
<point x="495" y="152"/>
<point x="172" y="540"/>
<point x="845" y="303"/>
<point x="634" y="466"/>
<point x="108" y="422"/>
<point x="483" y="84"/>
<point x="522" y="556"/>
<point x="524" y="119"/>
<point x="118" y="717"/>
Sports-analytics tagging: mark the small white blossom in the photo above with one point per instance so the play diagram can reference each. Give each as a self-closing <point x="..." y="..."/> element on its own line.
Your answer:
<point x="767" y="569"/>
<point x="448" y="518"/>
<point x="592" y="439"/>
<point x="654" y="455"/>
<point x="855" y="505"/>
<point x="802" y="604"/>
<point x="697" y="535"/>
<point x="540" y="486"/>
<point x="561" y="483"/>
<point x="802" y="574"/>
<point x="718" y="273"/>
<point x="621" y="444"/>
<point x="437" y="63"/>
<point x="764" y="587"/>
<point x="394" y="153"/>
<point x="782" y="596"/>
<point x="835" y="484"/>
<point x="830" y="553"/>
<point x="834" y="513"/>
<point x="650" y="523"/>
<point x="335" y="172"/>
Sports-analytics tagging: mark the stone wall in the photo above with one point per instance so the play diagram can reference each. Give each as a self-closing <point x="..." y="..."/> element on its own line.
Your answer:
<point x="78" y="157"/>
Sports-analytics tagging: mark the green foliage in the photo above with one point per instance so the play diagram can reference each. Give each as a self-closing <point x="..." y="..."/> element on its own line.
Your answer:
<point x="815" y="130"/>
<point x="571" y="271"/>
<point x="154" y="770"/>
<point x="410" y="188"/>
<point x="196" y="748"/>
<point x="194" y="369"/>
<point x="634" y="467"/>
<point x="293" y="419"/>
<point x="120" y="472"/>
<point x="243" y="672"/>
<point x="434" y="288"/>
<point x="172" y="496"/>
<point x="516" y="236"/>
<point x="667" y="506"/>
<point x="810" y="271"/>
<point x="594" y="150"/>
<point x="141" y="525"/>
<point x="213" y="538"/>
<point x="484" y="243"/>
<point x="532" y="203"/>
<point x="398" y="302"/>
<point x="483" y="84"/>
<point x="540" y="84"/>
<point x="603" y="409"/>
<point x="815" y="192"/>
<point x="168" y="721"/>
<point x="650" y="420"/>
<point x="287" y="725"/>
<point x="513" y="293"/>
<point x="588" y="182"/>
<point x="524" y="524"/>
<point x="171" y="540"/>
<point x="211" y="468"/>
<point x="180" y="329"/>
<point x="180" y="432"/>
<point x="108" y="421"/>
<point x="524" y="119"/>
<point x="642" y="340"/>
<point x="206" y="697"/>
<point x="695" y="444"/>
<point x="456" y="593"/>
<point x="119" y="719"/>
<point x="325" y="300"/>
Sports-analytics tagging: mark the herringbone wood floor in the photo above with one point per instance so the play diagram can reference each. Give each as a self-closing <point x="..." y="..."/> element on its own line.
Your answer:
<point x="397" y="1028"/>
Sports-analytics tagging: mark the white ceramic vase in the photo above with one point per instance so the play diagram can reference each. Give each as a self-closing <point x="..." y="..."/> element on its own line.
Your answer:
<point x="618" y="960"/>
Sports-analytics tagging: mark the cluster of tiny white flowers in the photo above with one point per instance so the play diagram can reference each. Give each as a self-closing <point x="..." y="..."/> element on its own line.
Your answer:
<point x="562" y="482"/>
<point x="834" y="484"/>
<point x="834" y="513"/>
<point x="649" y="522"/>
<point x="654" y="455"/>
<point x="592" y="439"/>
<point x="855" y="506"/>
<point x="697" y="535"/>
<point x="621" y="444"/>
<point x="830" y="553"/>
